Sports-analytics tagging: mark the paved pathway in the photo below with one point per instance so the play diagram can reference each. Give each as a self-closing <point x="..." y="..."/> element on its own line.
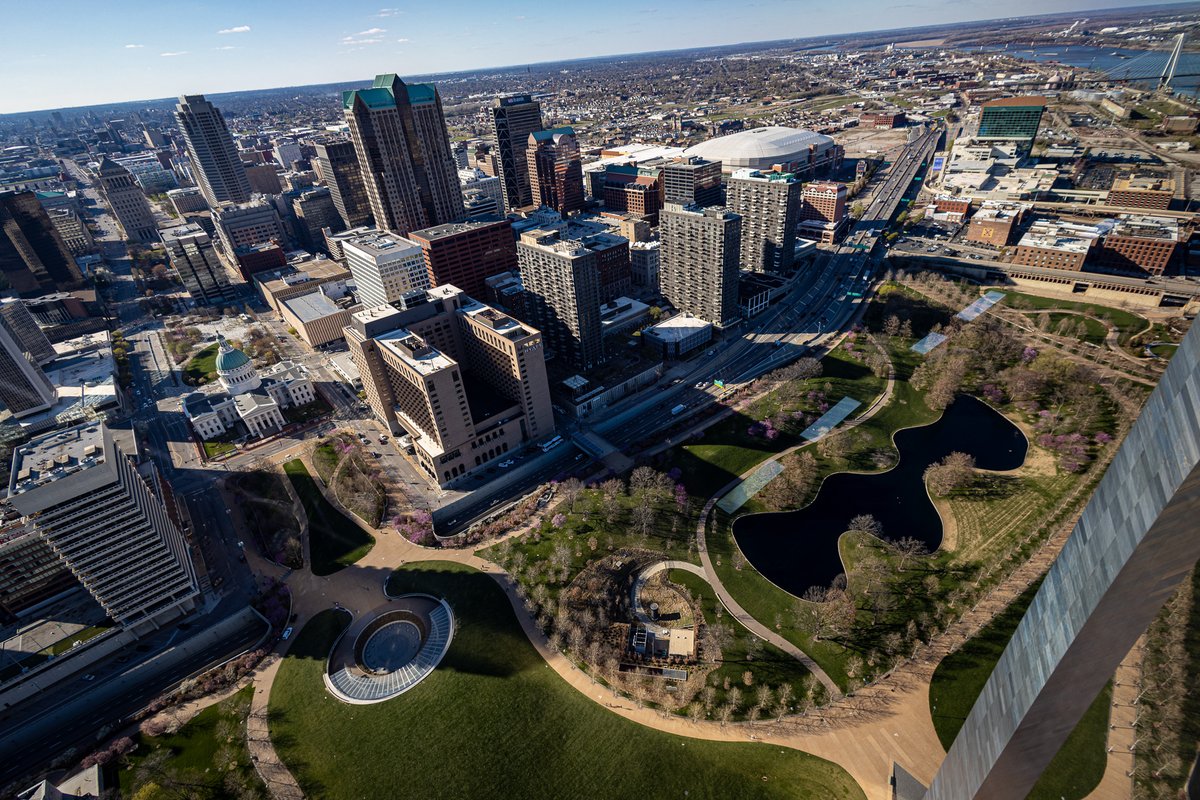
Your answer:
<point x="865" y="733"/>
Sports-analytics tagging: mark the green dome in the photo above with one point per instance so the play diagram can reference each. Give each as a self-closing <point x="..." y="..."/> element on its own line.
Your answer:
<point x="229" y="359"/>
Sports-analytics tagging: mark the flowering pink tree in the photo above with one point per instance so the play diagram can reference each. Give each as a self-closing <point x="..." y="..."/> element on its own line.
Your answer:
<point x="558" y="520"/>
<point x="417" y="527"/>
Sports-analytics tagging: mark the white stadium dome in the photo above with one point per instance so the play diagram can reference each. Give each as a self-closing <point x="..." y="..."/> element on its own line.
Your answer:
<point x="760" y="148"/>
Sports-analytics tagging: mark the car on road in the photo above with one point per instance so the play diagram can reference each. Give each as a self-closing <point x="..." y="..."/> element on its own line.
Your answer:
<point x="89" y="677"/>
<point x="286" y="632"/>
<point x="506" y="464"/>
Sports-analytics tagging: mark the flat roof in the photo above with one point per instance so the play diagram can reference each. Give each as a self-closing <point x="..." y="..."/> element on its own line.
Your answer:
<point x="454" y="228"/>
<point x="677" y="328"/>
<point x="1016" y="102"/>
<point x="383" y="244"/>
<point x="311" y="307"/>
<point x="414" y="351"/>
<point x="56" y="455"/>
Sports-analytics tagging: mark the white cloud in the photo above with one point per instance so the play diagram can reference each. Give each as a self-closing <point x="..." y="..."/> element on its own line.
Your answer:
<point x="351" y="40"/>
<point x="237" y="29"/>
<point x="177" y="53"/>
<point x="133" y="46"/>
<point x="226" y="47"/>
<point x="388" y="12"/>
<point x="371" y="32"/>
<point x="403" y="41"/>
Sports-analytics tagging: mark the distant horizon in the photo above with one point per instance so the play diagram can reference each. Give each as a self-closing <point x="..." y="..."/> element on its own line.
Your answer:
<point x="213" y="46"/>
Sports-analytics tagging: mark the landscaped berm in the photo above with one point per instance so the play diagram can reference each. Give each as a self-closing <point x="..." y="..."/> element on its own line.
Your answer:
<point x="494" y="721"/>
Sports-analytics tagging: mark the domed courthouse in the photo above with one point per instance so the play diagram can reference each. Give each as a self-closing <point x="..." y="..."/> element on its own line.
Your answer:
<point x="246" y="397"/>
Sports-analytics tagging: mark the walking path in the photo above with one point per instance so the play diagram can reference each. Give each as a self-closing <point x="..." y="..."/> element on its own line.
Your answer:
<point x="867" y="732"/>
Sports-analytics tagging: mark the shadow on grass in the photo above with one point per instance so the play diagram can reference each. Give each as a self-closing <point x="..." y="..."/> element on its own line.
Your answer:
<point x="335" y="541"/>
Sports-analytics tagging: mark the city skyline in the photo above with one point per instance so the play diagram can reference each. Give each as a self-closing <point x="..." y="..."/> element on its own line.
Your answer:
<point x="222" y="44"/>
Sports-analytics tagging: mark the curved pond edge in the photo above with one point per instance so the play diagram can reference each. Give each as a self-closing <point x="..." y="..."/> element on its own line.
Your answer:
<point x="896" y="448"/>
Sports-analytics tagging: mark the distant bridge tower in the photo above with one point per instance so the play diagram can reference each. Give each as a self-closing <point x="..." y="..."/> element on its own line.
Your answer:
<point x="1168" y="73"/>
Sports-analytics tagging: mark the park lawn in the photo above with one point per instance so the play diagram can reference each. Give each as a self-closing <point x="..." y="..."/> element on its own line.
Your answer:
<point x="669" y="535"/>
<point x="306" y="413"/>
<point x="1078" y="767"/>
<point x="1094" y="330"/>
<point x="334" y="540"/>
<point x="1126" y="322"/>
<point x="494" y="721"/>
<point x="727" y="451"/>
<point x="769" y="665"/>
<point x="194" y="749"/>
<point x="201" y="367"/>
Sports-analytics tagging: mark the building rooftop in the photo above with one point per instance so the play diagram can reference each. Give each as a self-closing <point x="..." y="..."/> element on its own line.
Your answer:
<point x="1067" y="237"/>
<point x="773" y="144"/>
<point x="677" y="328"/>
<point x="1137" y="226"/>
<point x="992" y="211"/>
<point x="454" y="228"/>
<point x="1144" y="183"/>
<point x="1017" y="102"/>
<point x="414" y="351"/>
<point x="311" y="307"/>
<point x="56" y="455"/>
<point x="383" y="245"/>
<point x="748" y="174"/>
<point x="497" y="321"/>
<point x="714" y="212"/>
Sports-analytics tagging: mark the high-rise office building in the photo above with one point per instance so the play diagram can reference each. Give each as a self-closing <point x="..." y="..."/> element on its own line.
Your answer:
<point x="195" y="260"/>
<point x="387" y="268"/>
<point x="127" y="202"/>
<point x="316" y="210"/>
<point x="555" y="170"/>
<point x="1012" y="119"/>
<point x="216" y="166"/>
<point x="630" y="189"/>
<point x="513" y="119"/>
<point x="465" y="381"/>
<point x="698" y="270"/>
<point x="73" y="229"/>
<point x="340" y="171"/>
<point x="823" y="213"/>
<point x="769" y="205"/>
<point x="24" y="388"/>
<point x="563" y="292"/>
<point x="16" y="319"/>
<point x="692" y="181"/>
<point x="33" y="256"/>
<point x="30" y="572"/>
<point x="287" y="153"/>
<point x="465" y="253"/>
<point x="84" y="497"/>
<point x="242" y="226"/>
<point x="399" y="133"/>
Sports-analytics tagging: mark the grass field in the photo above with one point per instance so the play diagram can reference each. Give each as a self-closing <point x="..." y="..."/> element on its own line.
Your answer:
<point x="769" y="665"/>
<point x="196" y="761"/>
<point x="493" y="721"/>
<point x="1126" y="322"/>
<point x="1094" y="330"/>
<point x="334" y="540"/>
<point x="201" y="367"/>
<point x="1078" y="766"/>
<point x="214" y="448"/>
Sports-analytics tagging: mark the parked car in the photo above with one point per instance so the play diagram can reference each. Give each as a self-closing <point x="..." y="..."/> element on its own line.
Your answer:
<point x="286" y="632"/>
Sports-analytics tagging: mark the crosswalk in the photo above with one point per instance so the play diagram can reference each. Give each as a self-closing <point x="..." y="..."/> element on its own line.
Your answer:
<point x="358" y="687"/>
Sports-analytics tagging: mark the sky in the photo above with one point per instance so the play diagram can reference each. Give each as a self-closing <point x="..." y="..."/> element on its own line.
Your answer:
<point x="67" y="53"/>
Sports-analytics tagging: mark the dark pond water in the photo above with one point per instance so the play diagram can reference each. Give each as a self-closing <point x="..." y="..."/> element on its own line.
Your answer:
<point x="798" y="549"/>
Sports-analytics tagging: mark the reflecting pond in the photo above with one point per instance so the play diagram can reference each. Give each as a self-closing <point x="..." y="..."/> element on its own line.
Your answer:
<point x="798" y="549"/>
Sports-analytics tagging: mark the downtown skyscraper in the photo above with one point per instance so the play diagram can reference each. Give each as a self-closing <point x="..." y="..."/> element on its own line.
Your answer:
<point x="399" y="133"/>
<point x="216" y="166"/>
<point x="513" y="119"/>
<point x="340" y="171"/>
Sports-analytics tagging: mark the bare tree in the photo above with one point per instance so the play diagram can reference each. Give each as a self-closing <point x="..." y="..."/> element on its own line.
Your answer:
<point x="907" y="549"/>
<point x="867" y="524"/>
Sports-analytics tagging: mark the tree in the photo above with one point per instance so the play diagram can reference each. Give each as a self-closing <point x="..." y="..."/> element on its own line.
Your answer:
<point x="867" y="524"/>
<point x="829" y="612"/>
<point x="571" y="489"/>
<point x="907" y="549"/>
<point x="953" y="472"/>
<point x="891" y="325"/>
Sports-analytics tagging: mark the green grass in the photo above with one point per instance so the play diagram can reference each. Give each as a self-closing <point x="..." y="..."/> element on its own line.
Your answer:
<point x="1078" y="766"/>
<point x="727" y="450"/>
<point x="201" y="367"/>
<point x="1094" y="329"/>
<point x="214" y="448"/>
<point x="335" y="541"/>
<point x="195" y="748"/>
<point x="1127" y="323"/>
<point x="63" y="645"/>
<point x="494" y="721"/>
<point x="770" y="665"/>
